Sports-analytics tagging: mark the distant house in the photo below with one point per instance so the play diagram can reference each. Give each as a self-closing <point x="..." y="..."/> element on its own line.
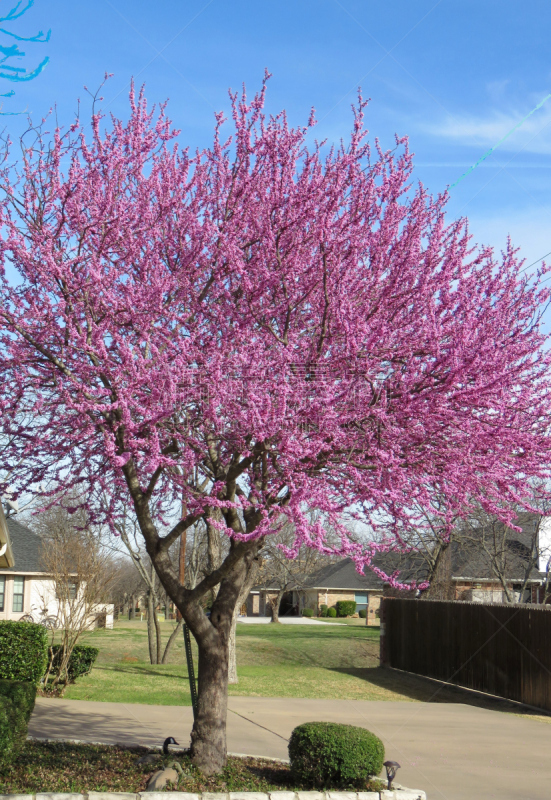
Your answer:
<point x="468" y="570"/>
<point x="25" y="589"/>
<point x="473" y="568"/>
<point x="337" y="581"/>
<point x="340" y="581"/>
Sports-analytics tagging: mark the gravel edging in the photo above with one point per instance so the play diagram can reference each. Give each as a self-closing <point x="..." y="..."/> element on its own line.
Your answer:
<point x="396" y="794"/>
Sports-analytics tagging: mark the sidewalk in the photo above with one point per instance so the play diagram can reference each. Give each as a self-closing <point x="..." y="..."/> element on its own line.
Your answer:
<point x="452" y="751"/>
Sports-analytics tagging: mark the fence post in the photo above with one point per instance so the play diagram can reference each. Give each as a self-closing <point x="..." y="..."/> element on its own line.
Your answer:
<point x="383" y="659"/>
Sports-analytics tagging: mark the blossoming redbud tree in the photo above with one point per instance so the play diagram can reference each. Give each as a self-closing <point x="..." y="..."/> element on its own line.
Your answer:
<point x="250" y="332"/>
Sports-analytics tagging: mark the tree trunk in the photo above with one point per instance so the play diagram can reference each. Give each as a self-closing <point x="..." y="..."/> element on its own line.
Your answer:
<point x="208" y="737"/>
<point x="173" y="637"/>
<point x="157" y="631"/>
<point x="151" y="632"/>
<point x="243" y="594"/>
<point x="275" y="604"/>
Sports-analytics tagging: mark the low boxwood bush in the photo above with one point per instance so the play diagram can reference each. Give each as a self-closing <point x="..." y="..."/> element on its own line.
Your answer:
<point x="362" y="613"/>
<point x="345" y="608"/>
<point x="16" y="705"/>
<point x="328" y="755"/>
<point x="80" y="663"/>
<point x="331" y="612"/>
<point x="23" y="651"/>
<point x="307" y="612"/>
<point x="323" y="612"/>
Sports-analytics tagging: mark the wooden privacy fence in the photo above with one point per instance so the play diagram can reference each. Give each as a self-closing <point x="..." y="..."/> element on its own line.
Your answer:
<point x="498" y="649"/>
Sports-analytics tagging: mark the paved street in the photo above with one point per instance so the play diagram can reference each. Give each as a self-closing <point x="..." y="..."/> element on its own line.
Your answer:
<point x="452" y="751"/>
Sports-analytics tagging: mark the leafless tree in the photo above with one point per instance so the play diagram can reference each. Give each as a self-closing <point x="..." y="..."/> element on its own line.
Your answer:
<point x="283" y="574"/>
<point x="510" y="558"/>
<point x="81" y="576"/>
<point x="129" y="537"/>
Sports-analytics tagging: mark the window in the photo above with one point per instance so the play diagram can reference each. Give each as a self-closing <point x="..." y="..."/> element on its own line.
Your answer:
<point x="2" y="591"/>
<point x="361" y="600"/>
<point x="66" y="590"/>
<point x="18" y="588"/>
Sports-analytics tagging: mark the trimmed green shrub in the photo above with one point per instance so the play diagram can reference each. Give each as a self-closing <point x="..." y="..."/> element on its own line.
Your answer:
<point x="345" y="608"/>
<point x="362" y="613"/>
<point x="331" y="612"/>
<point x="81" y="660"/>
<point x="323" y="607"/>
<point x="16" y="705"/>
<point x="328" y="755"/>
<point x="307" y="612"/>
<point x="21" y="693"/>
<point x="23" y="651"/>
<point x="323" y="612"/>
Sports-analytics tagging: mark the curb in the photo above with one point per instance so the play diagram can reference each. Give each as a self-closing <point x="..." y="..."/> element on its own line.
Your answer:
<point x="396" y="794"/>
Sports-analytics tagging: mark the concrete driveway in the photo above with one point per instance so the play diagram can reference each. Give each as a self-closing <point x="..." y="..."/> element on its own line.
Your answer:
<point x="452" y="751"/>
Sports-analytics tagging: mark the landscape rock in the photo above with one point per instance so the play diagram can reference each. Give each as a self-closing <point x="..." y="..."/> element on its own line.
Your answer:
<point x="111" y="796"/>
<point x="281" y="796"/>
<point x="248" y="796"/>
<point x="213" y="796"/>
<point x="173" y="796"/>
<point x="59" y="796"/>
<point x="341" y="795"/>
<point x="310" y="796"/>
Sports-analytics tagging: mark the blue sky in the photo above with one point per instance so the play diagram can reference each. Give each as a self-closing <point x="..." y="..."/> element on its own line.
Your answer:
<point x="455" y="76"/>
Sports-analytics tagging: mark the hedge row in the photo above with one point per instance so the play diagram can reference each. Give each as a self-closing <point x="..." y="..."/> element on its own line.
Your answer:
<point x="81" y="661"/>
<point x="24" y="654"/>
<point x="16" y="706"/>
<point x="342" y="608"/>
<point x="23" y="651"/>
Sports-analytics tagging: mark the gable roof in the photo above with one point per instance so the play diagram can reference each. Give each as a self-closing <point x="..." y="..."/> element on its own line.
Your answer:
<point x="26" y="548"/>
<point x="343" y="574"/>
<point x="469" y="559"/>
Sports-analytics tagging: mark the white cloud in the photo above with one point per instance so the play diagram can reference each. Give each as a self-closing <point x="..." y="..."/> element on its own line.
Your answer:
<point x="533" y="135"/>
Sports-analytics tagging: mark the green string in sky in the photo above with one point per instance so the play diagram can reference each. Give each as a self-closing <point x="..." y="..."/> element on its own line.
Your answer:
<point x="480" y="160"/>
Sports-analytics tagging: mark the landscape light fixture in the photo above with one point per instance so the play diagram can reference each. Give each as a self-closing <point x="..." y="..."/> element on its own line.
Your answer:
<point x="392" y="768"/>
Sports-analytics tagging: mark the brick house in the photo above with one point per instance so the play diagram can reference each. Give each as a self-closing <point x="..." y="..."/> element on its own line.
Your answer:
<point x="337" y="581"/>
<point x="472" y="568"/>
<point x="25" y="589"/>
<point x="340" y="581"/>
<point x="467" y="571"/>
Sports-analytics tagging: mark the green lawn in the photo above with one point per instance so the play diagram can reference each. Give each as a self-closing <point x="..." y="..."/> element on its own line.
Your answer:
<point x="344" y="621"/>
<point x="340" y="661"/>
<point x="317" y="661"/>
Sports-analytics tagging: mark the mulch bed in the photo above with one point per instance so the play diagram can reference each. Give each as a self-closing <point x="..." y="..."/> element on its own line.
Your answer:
<point x="68" y="767"/>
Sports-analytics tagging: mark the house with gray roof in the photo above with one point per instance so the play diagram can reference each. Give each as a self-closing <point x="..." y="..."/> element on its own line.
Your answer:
<point x="483" y="566"/>
<point x="26" y="590"/>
